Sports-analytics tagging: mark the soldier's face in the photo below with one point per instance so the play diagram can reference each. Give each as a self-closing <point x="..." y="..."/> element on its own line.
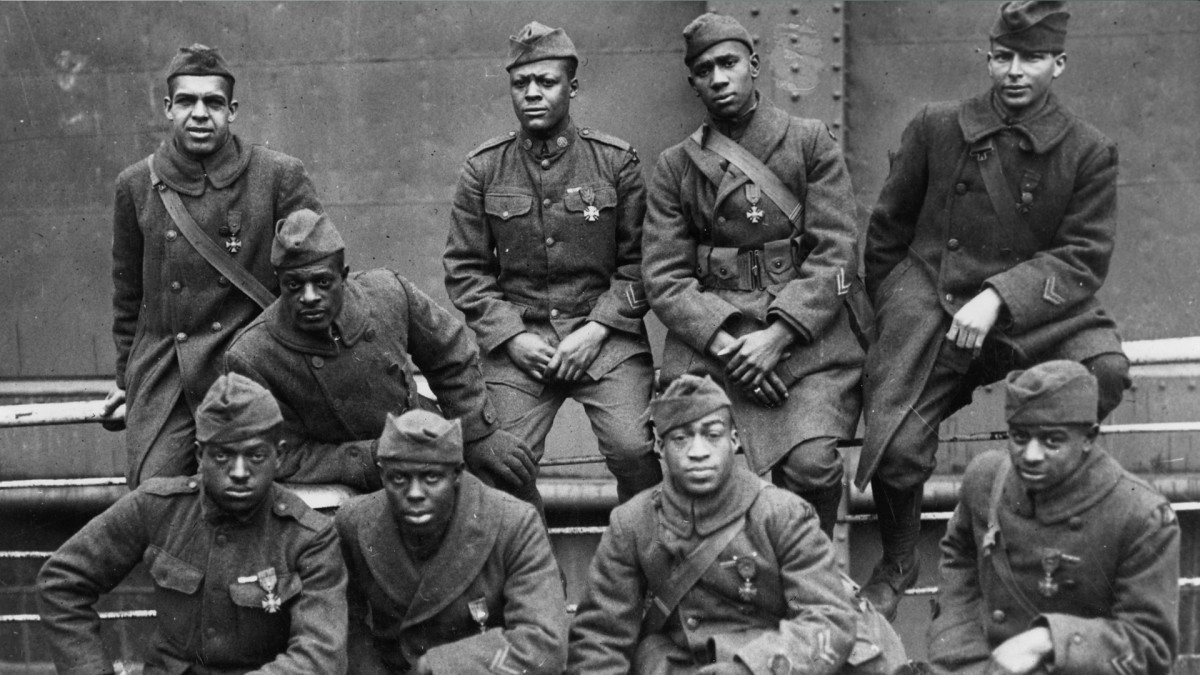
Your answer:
<point x="1022" y="80"/>
<point x="238" y="474"/>
<point x="313" y="294"/>
<point x="699" y="455"/>
<point x="541" y="95"/>
<point x="421" y="495"/>
<point x="723" y="76"/>
<point x="200" y="110"/>
<point x="1044" y="455"/>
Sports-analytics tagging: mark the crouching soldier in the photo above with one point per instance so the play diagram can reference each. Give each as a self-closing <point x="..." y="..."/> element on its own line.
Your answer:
<point x="1057" y="559"/>
<point x="734" y="574"/>
<point x="447" y="575"/>
<point x="246" y="577"/>
<point x="334" y="350"/>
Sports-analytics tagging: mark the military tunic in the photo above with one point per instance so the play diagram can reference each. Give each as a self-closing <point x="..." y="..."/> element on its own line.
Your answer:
<point x="489" y="601"/>
<point x="211" y="617"/>
<point x="545" y="243"/>
<point x="935" y="242"/>
<point x="1103" y="545"/>
<point x="335" y="395"/>
<point x="174" y="314"/>
<point x="800" y="618"/>
<point x="698" y="200"/>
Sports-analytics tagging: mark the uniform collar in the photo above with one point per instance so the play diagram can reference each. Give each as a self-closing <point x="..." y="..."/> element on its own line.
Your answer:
<point x="767" y="128"/>
<point x="353" y="321"/>
<point x="684" y="515"/>
<point x="980" y="117"/>
<point x="556" y="146"/>
<point x="1090" y="484"/>
<point x="187" y="175"/>
<point x="735" y="128"/>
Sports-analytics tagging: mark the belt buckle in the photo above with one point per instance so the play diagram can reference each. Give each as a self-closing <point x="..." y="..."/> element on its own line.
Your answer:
<point x="756" y="260"/>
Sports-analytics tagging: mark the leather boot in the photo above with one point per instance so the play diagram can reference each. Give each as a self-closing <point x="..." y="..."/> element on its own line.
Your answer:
<point x="825" y="501"/>
<point x="899" y="513"/>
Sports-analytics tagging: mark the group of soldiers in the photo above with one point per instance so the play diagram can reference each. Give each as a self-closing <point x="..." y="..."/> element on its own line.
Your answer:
<point x="249" y="354"/>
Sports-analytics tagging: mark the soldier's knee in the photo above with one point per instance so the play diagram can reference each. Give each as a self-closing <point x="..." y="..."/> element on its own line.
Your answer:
<point x="1112" y="375"/>
<point x="814" y="464"/>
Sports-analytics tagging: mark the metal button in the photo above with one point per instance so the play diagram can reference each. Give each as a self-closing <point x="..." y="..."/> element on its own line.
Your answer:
<point x="952" y="244"/>
<point x="1077" y="639"/>
<point x="1075" y="523"/>
<point x="778" y="263"/>
<point x="281" y="506"/>
<point x="504" y="215"/>
<point x="216" y="327"/>
<point x="489" y="416"/>
<point x="721" y="220"/>
<point x="171" y="234"/>
<point x="549" y="241"/>
<point x="554" y="314"/>
<point x="181" y="337"/>
<point x="545" y="164"/>
<point x="949" y="297"/>
<point x="191" y="484"/>
<point x="999" y="616"/>
<point x="369" y="336"/>
<point x="961" y="188"/>
<point x="222" y="281"/>
<point x="318" y="362"/>
<point x="222" y="540"/>
<point x="724" y="270"/>
<point x="176" y="287"/>
<point x="546" y="202"/>
<point x="337" y="404"/>
<point x="692" y="622"/>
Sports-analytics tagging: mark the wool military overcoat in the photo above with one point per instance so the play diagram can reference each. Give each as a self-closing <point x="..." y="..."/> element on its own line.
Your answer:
<point x="696" y="198"/>
<point x="935" y="242"/>
<point x="209" y="569"/>
<point x="335" y="396"/>
<point x="174" y="314"/>
<point x="489" y="601"/>
<point x="1095" y="559"/>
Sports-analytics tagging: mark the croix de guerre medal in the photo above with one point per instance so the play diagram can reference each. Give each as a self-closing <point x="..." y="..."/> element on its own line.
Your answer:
<point x="1048" y="587"/>
<point x="479" y="612"/>
<point x="747" y="570"/>
<point x="590" y="213"/>
<point x="233" y="244"/>
<point x="267" y="581"/>
<point x="753" y="194"/>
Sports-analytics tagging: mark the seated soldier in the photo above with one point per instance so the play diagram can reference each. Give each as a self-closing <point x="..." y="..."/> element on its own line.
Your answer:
<point x="447" y="575"/>
<point x="1057" y="559"/>
<point x="735" y="573"/>
<point x="334" y="351"/>
<point x="246" y="576"/>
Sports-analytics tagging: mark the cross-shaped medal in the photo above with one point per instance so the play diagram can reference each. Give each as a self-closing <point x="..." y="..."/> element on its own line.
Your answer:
<point x="755" y="214"/>
<point x="591" y="214"/>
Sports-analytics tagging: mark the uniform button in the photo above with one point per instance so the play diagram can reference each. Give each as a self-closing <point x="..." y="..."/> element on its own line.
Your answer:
<point x="949" y="297"/>
<point x="952" y="244"/>
<point x="369" y="336"/>
<point x="176" y="287"/>
<point x="999" y="616"/>
<point x="721" y="220"/>
<point x="545" y="164"/>
<point x="1075" y="523"/>
<point x="778" y="264"/>
<point x="318" y="362"/>
<point x="554" y="314"/>
<point x="724" y="270"/>
<point x="961" y="188"/>
<point x="489" y="416"/>
<point x="191" y="485"/>
<point x="1077" y="639"/>
<point x="549" y="241"/>
<point x="281" y="506"/>
<point x="546" y="202"/>
<point x="216" y="327"/>
<point x="181" y="337"/>
<point x="221" y="540"/>
<point x="504" y="215"/>
<point x="692" y="622"/>
<point x="222" y="281"/>
<point x="1024" y="145"/>
<point x="171" y="234"/>
<point x="337" y="404"/>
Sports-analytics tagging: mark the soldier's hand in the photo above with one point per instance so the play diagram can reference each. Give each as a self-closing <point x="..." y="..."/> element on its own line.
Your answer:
<point x="725" y="668"/>
<point x="1022" y="653"/>
<point x="115" y="399"/>
<point x="771" y="394"/>
<point x="530" y="352"/>
<point x="755" y="354"/>
<point x="576" y="352"/>
<point x="971" y="323"/>
<point x="503" y="457"/>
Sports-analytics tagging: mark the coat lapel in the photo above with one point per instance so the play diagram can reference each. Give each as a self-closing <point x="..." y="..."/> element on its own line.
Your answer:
<point x="763" y="136"/>
<point x="1045" y="129"/>
<point x="389" y="563"/>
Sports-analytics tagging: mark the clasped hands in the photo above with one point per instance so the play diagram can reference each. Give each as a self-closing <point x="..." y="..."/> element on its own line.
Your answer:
<point x="750" y="361"/>
<point x="566" y="363"/>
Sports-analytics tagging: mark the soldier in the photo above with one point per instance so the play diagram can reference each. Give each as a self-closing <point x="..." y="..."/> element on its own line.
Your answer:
<point x="447" y="575"/>
<point x="246" y="576"/>
<point x="750" y="252"/>
<point x="544" y="259"/>
<point x="735" y="573"/>
<point x="1025" y="587"/>
<point x="992" y="234"/>
<point x="334" y="351"/>
<point x="176" y="306"/>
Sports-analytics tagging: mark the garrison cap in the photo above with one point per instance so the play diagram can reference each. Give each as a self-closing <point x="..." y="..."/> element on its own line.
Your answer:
<point x="421" y="436"/>
<point x="302" y="238"/>
<point x="235" y="407"/>
<point x="1054" y="392"/>
<point x="1032" y="26"/>
<point x="199" y="60"/>
<point x="538" y="42"/>
<point x="686" y="399"/>
<point x="710" y="28"/>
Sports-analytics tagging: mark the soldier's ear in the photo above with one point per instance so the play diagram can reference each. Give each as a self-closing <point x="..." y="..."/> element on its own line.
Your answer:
<point x="754" y="66"/>
<point x="1060" y="64"/>
<point x="233" y="106"/>
<point x="737" y="442"/>
<point x="574" y="86"/>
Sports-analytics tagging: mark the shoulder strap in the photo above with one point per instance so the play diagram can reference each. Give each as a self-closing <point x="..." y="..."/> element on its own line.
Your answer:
<point x="758" y="172"/>
<point x="993" y="541"/>
<point x="1003" y="202"/>
<point x="666" y="594"/>
<point x="206" y="247"/>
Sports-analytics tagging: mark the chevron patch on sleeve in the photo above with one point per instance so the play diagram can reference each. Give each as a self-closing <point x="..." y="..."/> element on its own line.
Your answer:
<point x="1050" y="295"/>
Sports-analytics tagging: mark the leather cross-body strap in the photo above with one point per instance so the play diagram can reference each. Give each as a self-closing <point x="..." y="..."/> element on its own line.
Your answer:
<point x="206" y="247"/>
<point x="756" y="171"/>
<point x="1003" y="202"/>
<point x="994" y="543"/>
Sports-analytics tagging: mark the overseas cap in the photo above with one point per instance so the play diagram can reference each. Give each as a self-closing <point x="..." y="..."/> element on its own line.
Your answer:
<point x="304" y="237"/>
<point x="1037" y="26"/>
<point x="676" y="408"/>
<point x="1054" y="392"/>
<point x="235" y="408"/>
<point x="199" y="60"/>
<point x="538" y="42"/>
<point x="421" y="436"/>
<point x="710" y="28"/>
